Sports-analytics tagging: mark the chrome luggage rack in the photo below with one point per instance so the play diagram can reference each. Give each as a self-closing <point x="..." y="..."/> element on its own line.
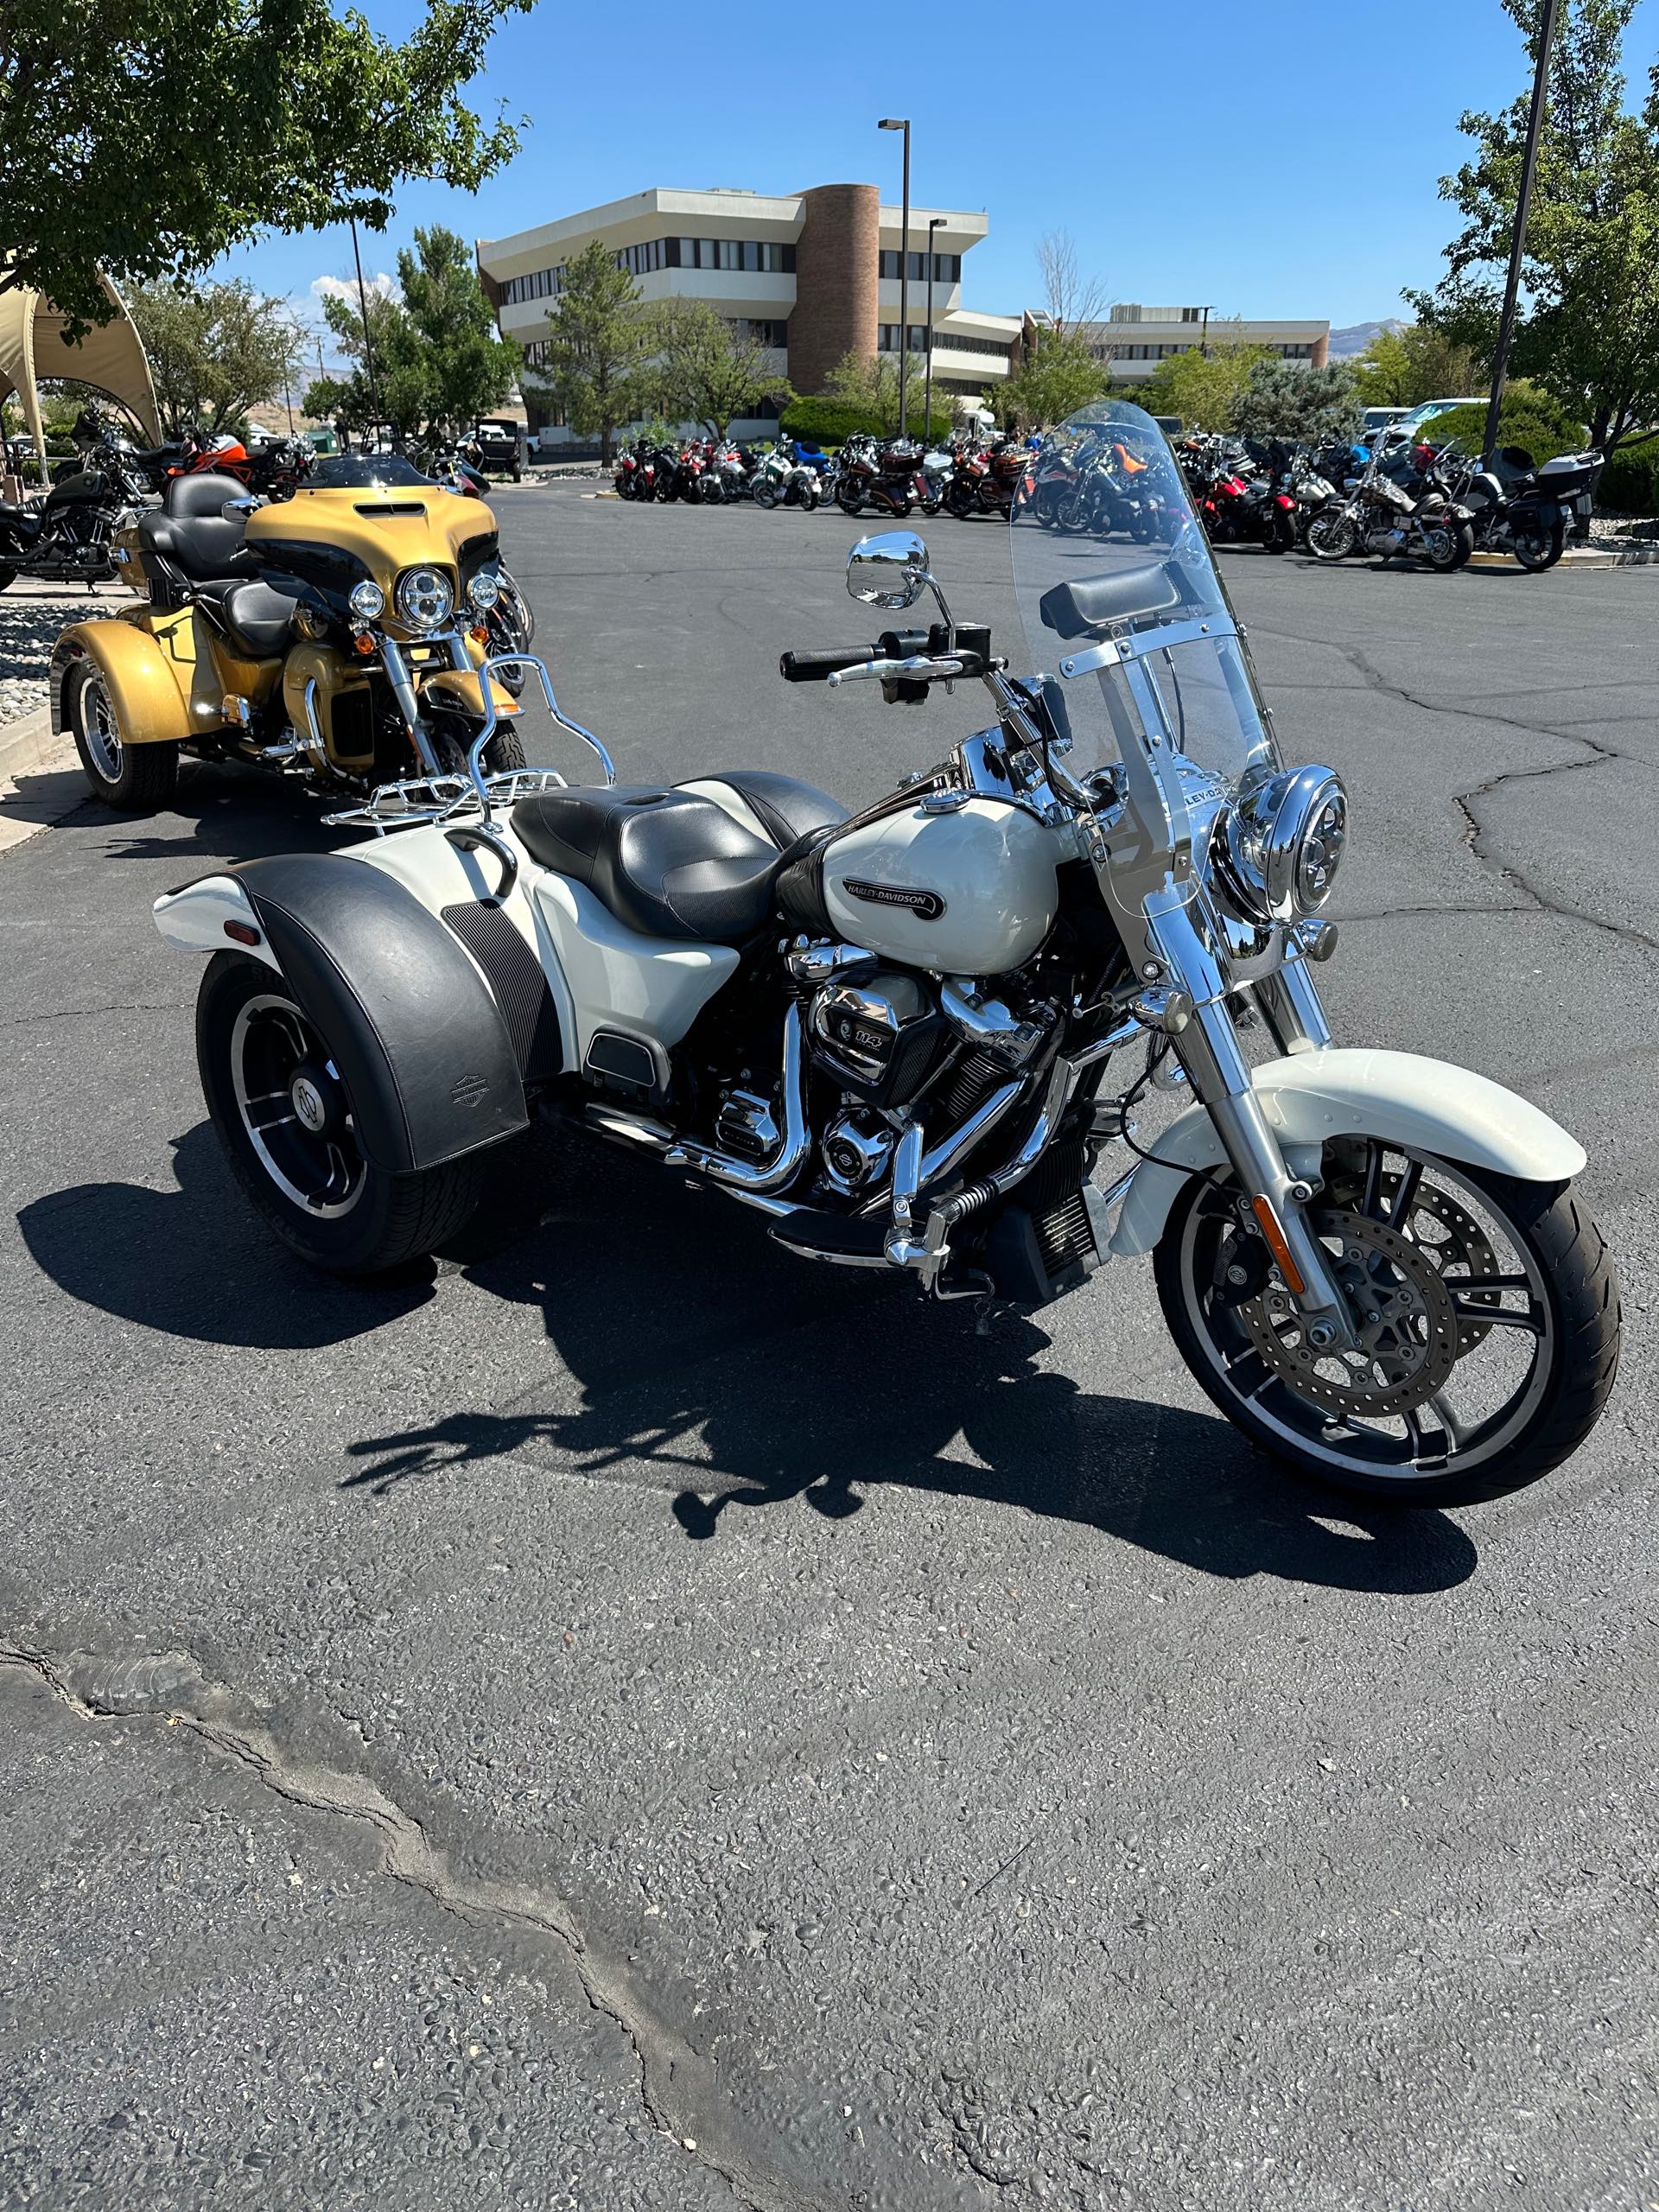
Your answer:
<point x="438" y="798"/>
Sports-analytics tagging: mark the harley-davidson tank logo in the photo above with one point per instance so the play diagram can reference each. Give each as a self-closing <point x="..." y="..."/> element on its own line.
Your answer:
<point x="926" y="905"/>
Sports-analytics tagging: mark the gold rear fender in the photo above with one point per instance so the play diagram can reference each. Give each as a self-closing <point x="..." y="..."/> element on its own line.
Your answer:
<point x="148" y="668"/>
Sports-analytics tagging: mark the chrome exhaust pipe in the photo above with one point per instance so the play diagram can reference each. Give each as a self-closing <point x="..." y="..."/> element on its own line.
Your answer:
<point x="759" y="1177"/>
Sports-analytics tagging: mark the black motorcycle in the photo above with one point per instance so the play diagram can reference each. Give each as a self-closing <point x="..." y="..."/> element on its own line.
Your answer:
<point x="67" y="537"/>
<point x="1519" y="508"/>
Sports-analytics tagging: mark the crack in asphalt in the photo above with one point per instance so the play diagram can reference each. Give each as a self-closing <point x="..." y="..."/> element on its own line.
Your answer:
<point x="1474" y="832"/>
<point x="678" y="2085"/>
<point x="86" y="1013"/>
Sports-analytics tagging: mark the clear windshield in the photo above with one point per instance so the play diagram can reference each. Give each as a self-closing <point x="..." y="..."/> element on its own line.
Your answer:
<point x="1107" y="549"/>
<point x="355" y="472"/>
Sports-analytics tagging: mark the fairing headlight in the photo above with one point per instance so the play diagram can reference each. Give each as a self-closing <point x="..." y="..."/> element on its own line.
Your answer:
<point x="426" y="599"/>
<point x="1284" y="841"/>
<point x="484" y="590"/>
<point x="367" y="601"/>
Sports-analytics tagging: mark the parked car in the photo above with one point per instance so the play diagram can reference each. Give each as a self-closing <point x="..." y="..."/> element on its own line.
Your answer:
<point x="1413" y="421"/>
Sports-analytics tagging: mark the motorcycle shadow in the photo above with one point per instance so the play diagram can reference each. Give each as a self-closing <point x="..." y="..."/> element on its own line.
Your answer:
<point x="720" y="1369"/>
<point x="224" y="811"/>
<point x="195" y="1263"/>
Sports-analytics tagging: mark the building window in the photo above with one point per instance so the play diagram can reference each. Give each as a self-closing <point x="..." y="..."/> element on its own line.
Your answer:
<point x="947" y="267"/>
<point x="761" y="330"/>
<point x="1191" y="315"/>
<point x="889" y="338"/>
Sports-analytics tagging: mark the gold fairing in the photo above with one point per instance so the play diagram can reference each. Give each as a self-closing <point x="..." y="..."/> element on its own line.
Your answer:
<point x="335" y="674"/>
<point x="456" y="687"/>
<point x="403" y="526"/>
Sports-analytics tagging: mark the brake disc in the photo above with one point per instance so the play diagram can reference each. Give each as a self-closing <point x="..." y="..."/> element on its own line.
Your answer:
<point x="1403" y="1315"/>
<point x="1463" y="1248"/>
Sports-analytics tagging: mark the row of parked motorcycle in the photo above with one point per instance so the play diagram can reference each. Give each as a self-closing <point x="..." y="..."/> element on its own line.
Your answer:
<point x="893" y="477"/>
<point x="1402" y="498"/>
<point x="68" y="534"/>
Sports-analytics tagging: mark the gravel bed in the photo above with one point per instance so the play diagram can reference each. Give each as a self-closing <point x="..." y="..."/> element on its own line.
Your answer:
<point x="29" y="623"/>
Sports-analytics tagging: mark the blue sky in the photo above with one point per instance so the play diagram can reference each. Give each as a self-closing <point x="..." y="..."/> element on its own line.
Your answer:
<point x="1267" y="156"/>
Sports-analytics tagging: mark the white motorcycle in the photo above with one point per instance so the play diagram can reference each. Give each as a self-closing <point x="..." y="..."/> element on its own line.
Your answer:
<point x="891" y="1033"/>
<point x="779" y="480"/>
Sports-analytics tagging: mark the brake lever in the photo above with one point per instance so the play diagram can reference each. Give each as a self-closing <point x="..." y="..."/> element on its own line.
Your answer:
<point x="919" y="669"/>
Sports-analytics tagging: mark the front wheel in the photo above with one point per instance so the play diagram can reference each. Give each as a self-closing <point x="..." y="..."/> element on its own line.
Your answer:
<point x="138" y="778"/>
<point x="1487" y="1310"/>
<point x="284" y="1117"/>
<point x="765" y="493"/>
<point x="1539" y="550"/>
<point x="1333" y="534"/>
<point x="849" y="501"/>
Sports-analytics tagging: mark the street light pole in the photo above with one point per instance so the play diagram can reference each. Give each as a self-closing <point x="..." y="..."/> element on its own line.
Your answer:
<point x="368" y="343"/>
<point x="1517" y="244"/>
<point x="938" y="224"/>
<point x="902" y="123"/>
<point x="1204" y="338"/>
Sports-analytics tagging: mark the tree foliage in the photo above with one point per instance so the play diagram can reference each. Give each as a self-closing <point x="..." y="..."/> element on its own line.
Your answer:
<point x="593" y="366"/>
<point x="1590" y="330"/>
<point x="148" y="137"/>
<point x="827" y="422"/>
<point x="1403" y="368"/>
<point x="437" y="363"/>
<point x="1055" y="375"/>
<point x="706" y="370"/>
<point x="867" y="386"/>
<point x="1290" y="399"/>
<point x="1203" y="390"/>
<point x="215" y="350"/>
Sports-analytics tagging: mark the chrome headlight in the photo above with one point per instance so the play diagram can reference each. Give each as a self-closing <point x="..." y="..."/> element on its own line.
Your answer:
<point x="425" y="598"/>
<point x="484" y="590"/>
<point x="1283" y="843"/>
<point x="367" y="601"/>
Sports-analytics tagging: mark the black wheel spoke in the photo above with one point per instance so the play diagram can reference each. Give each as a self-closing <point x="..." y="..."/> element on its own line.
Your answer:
<point x="1369" y="1202"/>
<point x="1456" y="1431"/>
<point x="1405" y="1195"/>
<point x="1498" y="1317"/>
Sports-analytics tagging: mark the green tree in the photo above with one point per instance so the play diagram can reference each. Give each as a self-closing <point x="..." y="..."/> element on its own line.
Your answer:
<point x="1288" y="399"/>
<point x="215" y="350"/>
<point x="148" y="138"/>
<point x="593" y="364"/>
<point x="1403" y="368"/>
<point x="397" y="390"/>
<point x="468" y="367"/>
<point x="868" y="383"/>
<point x="706" y="370"/>
<point x="1056" y="373"/>
<point x="1202" y="388"/>
<point x="1590" y="330"/>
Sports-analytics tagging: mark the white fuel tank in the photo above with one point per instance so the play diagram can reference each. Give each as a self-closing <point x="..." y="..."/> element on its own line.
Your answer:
<point x="970" y="893"/>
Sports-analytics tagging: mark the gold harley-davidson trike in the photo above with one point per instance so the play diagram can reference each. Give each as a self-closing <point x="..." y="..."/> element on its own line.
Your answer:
<point x="339" y="634"/>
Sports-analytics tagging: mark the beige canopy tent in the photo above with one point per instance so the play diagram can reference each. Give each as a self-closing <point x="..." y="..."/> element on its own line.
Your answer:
<point x="111" y="358"/>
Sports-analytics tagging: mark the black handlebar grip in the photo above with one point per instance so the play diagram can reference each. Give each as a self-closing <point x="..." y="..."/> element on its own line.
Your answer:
<point x="818" y="668"/>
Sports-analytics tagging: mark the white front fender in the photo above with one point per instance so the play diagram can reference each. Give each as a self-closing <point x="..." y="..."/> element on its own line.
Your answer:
<point x="1419" y="1104"/>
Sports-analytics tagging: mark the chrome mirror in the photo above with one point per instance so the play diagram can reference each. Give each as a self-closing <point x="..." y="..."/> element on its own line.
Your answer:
<point x="889" y="569"/>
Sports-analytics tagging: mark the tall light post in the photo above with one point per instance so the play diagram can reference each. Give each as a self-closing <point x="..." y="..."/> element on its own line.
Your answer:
<point x="1204" y="338"/>
<point x="1518" y="243"/>
<point x="936" y="224"/>
<point x="368" y="343"/>
<point x="902" y="123"/>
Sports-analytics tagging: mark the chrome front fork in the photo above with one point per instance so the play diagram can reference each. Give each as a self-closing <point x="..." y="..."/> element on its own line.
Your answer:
<point x="1209" y="1050"/>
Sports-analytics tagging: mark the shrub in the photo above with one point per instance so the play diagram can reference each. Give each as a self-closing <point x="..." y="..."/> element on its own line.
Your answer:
<point x="1630" y="483"/>
<point x="824" y="421"/>
<point x="1527" y="417"/>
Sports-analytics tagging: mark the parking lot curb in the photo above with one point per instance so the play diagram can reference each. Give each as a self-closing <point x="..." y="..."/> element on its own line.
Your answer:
<point x="1638" y="556"/>
<point x="25" y="742"/>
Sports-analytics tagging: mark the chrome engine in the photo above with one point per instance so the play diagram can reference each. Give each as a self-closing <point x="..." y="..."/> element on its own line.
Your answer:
<point x="877" y="1033"/>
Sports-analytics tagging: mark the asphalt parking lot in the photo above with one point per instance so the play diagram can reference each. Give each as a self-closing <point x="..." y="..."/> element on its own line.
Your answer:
<point x="622" y="1719"/>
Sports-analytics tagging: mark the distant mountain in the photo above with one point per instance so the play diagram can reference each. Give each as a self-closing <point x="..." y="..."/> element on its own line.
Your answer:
<point x="1344" y="344"/>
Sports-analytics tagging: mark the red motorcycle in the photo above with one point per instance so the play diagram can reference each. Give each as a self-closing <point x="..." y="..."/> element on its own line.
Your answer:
<point x="886" y="478"/>
<point x="986" y="480"/>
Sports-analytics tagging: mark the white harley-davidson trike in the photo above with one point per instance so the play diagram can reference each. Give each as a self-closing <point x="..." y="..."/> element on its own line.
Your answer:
<point x="898" y="1034"/>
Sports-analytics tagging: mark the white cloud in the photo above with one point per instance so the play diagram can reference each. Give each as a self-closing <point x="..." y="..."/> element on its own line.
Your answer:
<point x="344" y="287"/>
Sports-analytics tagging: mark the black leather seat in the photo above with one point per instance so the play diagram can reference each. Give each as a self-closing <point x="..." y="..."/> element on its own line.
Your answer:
<point x="257" y="620"/>
<point x="193" y="535"/>
<point x="1086" y="604"/>
<point x="675" y="863"/>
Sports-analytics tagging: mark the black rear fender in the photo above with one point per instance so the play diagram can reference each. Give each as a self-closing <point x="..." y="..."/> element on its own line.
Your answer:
<point x="419" y="1039"/>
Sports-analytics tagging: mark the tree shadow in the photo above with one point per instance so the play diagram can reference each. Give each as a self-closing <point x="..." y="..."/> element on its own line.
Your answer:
<point x="196" y="1262"/>
<point x="723" y="1371"/>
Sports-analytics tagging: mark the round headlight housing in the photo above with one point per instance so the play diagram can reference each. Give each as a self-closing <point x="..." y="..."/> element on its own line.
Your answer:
<point x="367" y="601"/>
<point x="1283" y="843"/>
<point x="426" y="599"/>
<point x="484" y="590"/>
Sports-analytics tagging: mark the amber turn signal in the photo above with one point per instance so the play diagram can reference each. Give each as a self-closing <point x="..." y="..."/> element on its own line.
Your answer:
<point x="364" y="642"/>
<point x="1276" y="1244"/>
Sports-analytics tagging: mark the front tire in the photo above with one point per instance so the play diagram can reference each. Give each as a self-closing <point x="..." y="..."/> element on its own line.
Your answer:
<point x="1498" y="1334"/>
<point x="261" y="1058"/>
<point x="1448" y="546"/>
<point x="1332" y="535"/>
<point x="138" y="778"/>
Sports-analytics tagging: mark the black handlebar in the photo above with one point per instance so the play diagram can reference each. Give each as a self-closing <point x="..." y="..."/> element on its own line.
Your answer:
<point x="818" y="668"/>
